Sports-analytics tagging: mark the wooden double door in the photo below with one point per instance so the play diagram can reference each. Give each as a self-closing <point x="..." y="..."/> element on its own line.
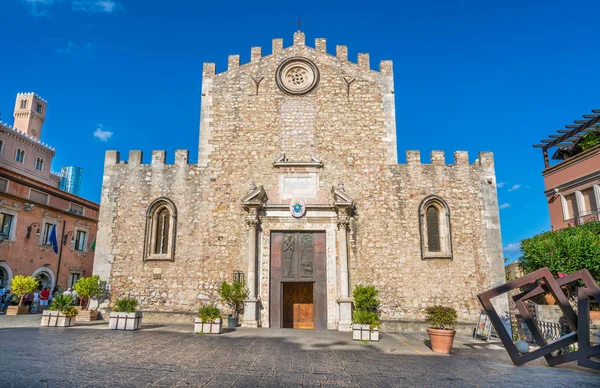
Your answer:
<point x="298" y="286"/>
<point x="298" y="305"/>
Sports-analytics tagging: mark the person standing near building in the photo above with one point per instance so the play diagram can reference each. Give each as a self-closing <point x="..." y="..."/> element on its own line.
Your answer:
<point x="44" y="297"/>
<point x="36" y="302"/>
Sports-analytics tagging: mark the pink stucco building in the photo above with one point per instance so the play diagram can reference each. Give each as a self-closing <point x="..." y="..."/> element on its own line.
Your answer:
<point x="31" y="205"/>
<point x="572" y="186"/>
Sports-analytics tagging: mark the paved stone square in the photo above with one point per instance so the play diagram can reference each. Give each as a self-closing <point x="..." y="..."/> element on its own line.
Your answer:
<point x="172" y="356"/>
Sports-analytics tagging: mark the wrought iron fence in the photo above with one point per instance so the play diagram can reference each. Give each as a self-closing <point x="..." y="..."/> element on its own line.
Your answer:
<point x="585" y="216"/>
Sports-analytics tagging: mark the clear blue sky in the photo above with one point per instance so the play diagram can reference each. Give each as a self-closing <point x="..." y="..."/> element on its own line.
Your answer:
<point x="470" y="75"/>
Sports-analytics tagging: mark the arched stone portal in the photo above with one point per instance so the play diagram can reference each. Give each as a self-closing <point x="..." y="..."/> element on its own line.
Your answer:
<point x="45" y="276"/>
<point x="5" y="275"/>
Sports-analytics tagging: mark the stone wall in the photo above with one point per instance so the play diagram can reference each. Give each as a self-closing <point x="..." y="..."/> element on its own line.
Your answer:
<point x="348" y="123"/>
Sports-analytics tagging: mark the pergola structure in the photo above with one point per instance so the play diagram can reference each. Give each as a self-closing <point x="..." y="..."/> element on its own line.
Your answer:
<point x="567" y="139"/>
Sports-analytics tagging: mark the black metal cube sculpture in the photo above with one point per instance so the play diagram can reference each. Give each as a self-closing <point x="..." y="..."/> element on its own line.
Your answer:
<point x="552" y="285"/>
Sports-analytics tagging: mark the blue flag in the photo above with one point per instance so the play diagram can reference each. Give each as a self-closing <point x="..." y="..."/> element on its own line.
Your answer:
<point x="53" y="239"/>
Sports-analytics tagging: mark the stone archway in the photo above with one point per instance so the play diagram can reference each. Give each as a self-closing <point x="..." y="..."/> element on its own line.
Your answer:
<point x="5" y="275"/>
<point x="46" y="277"/>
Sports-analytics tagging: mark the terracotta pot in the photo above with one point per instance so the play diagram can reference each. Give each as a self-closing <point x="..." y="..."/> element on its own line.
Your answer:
<point x="595" y="315"/>
<point x="441" y="340"/>
<point x="549" y="298"/>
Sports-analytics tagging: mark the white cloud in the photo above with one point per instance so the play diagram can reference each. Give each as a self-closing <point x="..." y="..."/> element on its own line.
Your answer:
<point x="42" y="7"/>
<point x="102" y="134"/>
<point x="500" y="184"/>
<point x="515" y="187"/>
<point x="39" y="8"/>
<point x="74" y="49"/>
<point x="91" y="6"/>
<point x="514" y="247"/>
<point x="504" y="206"/>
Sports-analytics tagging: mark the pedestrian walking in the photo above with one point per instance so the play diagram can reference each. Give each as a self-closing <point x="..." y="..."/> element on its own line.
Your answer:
<point x="44" y="297"/>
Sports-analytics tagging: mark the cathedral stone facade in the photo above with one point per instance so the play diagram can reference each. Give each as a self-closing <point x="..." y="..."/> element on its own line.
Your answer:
<point x="298" y="191"/>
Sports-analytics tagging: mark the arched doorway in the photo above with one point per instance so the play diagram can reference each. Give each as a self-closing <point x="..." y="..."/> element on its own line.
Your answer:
<point x="5" y="276"/>
<point x="45" y="276"/>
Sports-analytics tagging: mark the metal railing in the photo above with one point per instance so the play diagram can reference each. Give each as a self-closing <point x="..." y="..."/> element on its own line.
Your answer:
<point x="585" y="216"/>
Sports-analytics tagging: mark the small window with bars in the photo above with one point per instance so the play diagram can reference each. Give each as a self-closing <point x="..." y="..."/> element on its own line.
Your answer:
<point x="239" y="276"/>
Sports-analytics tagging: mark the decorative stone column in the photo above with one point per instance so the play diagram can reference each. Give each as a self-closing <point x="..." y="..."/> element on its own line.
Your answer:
<point x="252" y="203"/>
<point x="343" y="205"/>
<point x="251" y="305"/>
<point x="345" y="301"/>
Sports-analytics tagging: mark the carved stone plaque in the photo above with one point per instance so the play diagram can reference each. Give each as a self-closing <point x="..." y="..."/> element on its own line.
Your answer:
<point x="298" y="186"/>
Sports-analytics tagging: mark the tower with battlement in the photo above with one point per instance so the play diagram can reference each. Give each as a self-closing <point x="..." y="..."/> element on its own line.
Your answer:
<point x="30" y="114"/>
<point x="298" y="192"/>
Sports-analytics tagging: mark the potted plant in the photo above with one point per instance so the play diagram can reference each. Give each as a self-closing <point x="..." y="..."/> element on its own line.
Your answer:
<point x="208" y="321"/>
<point x="21" y="286"/>
<point x="442" y="321"/>
<point x="87" y="288"/>
<point x="234" y="295"/>
<point x="365" y="317"/>
<point x="61" y="312"/>
<point x="124" y="316"/>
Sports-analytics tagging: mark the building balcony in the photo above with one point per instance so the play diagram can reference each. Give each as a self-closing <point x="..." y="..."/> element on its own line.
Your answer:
<point x="583" y="217"/>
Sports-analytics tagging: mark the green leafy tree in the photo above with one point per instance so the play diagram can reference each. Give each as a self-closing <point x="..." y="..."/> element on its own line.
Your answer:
<point x="22" y="285"/>
<point x="88" y="287"/>
<point x="234" y="295"/>
<point x="564" y="251"/>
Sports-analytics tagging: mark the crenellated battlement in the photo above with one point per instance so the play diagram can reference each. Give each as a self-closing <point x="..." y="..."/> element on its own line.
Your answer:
<point x="25" y="94"/>
<point x="461" y="158"/>
<point x="320" y="45"/>
<point x="159" y="158"/>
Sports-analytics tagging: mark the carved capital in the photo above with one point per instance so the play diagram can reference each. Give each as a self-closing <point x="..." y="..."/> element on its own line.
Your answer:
<point x="252" y="221"/>
<point x="343" y="223"/>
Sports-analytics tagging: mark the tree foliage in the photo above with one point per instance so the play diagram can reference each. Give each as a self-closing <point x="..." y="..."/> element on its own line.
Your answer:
<point x="234" y="295"/>
<point x="88" y="288"/>
<point x="564" y="251"/>
<point x="22" y="285"/>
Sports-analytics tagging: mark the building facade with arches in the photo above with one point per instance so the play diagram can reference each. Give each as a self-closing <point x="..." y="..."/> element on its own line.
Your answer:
<point x="31" y="205"/>
<point x="298" y="190"/>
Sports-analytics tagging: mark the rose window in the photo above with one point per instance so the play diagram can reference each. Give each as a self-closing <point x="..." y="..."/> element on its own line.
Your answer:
<point x="297" y="76"/>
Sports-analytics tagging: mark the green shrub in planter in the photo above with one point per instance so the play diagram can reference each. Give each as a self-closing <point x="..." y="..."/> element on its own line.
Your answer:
<point x="125" y="305"/>
<point x="441" y="318"/>
<point x="209" y="314"/>
<point x="366" y="303"/>
<point x="363" y="317"/>
<point x="365" y="298"/>
<point x="64" y="304"/>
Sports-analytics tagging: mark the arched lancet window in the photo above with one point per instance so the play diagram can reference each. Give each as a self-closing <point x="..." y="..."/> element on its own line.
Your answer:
<point x="162" y="231"/>
<point x="161" y="224"/>
<point x="1" y="147"/>
<point x="434" y="217"/>
<point x="23" y="104"/>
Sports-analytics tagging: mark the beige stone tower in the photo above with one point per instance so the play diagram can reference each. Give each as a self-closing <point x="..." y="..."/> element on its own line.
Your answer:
<point x="30" y="113"/>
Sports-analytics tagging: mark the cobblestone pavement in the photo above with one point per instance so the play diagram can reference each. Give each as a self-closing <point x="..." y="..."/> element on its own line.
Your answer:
<point x="171" y="355"/>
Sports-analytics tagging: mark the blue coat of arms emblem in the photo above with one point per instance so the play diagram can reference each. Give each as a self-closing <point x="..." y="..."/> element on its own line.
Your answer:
<point x="297" y="208"/>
